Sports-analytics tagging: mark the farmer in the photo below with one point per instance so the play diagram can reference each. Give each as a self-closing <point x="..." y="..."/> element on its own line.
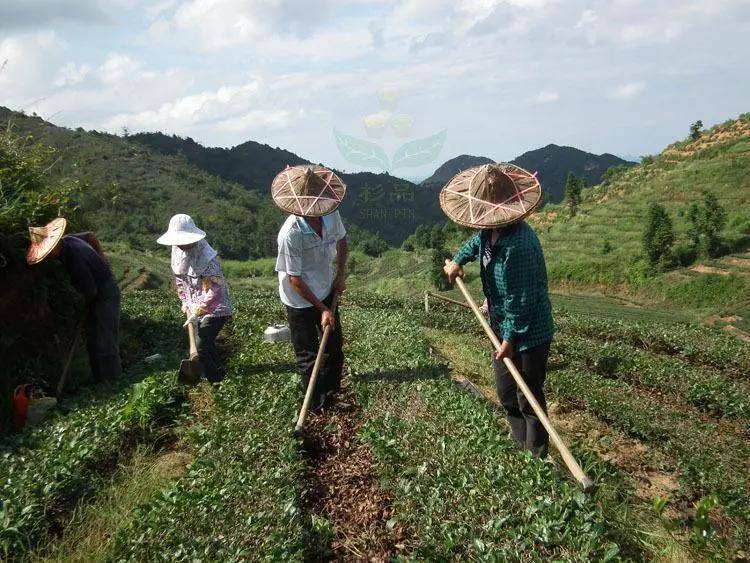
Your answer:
<point x="496" y="198"/>
<point x="311" y="238"/>
<point x="91" y="275"/>
<point x="201" y="287"/>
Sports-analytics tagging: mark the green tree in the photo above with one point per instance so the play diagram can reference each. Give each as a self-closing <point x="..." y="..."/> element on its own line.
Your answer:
<point x="437" y="277"/>
<point x="437" y="238"/>
<point x="696" y="129"/>
<point x="706" y="223"/>
<point x="573" y="188"/>
<point x="658" y="236"/>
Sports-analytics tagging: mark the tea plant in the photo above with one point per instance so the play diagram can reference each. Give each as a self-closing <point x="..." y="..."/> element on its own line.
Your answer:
<point x="53" y="465"/>
<point x="240" y="497"/>
<point x="461" y="487"/>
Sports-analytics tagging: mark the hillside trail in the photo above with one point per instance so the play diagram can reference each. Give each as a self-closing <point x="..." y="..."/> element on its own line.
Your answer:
<point x="349" y="511"/>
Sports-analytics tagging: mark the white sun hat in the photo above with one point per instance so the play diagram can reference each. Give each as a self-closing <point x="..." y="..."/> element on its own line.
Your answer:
<point x="182" y="230"/>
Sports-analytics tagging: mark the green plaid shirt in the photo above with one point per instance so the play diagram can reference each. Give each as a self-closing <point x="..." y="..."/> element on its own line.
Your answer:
<point x="514" y="279"/>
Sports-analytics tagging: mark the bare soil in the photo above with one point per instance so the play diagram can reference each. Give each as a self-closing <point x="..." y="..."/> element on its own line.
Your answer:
<point x="340" y="486"/>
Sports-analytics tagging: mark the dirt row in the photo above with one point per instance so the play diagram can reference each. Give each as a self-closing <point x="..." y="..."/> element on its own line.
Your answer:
<point x="341" y="496"/>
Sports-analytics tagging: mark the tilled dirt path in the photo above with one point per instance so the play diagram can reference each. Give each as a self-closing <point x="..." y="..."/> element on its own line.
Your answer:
<point x="341" y="488"/>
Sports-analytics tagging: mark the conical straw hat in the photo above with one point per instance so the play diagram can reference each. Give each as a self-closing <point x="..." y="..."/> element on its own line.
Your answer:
<point x="308" y="190"/>
<point x="490" y="196"/>
<point x="44" y="239"/>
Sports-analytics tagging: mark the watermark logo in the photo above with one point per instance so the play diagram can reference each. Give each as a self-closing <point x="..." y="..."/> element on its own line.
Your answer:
<point x="380" y="128"/>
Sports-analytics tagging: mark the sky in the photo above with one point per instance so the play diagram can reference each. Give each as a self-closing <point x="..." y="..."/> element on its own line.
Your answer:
<point x="435" y="78"/>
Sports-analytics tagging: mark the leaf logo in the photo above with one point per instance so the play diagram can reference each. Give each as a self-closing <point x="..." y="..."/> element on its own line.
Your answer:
<point x="366" y="153"/>
<point x="419" y="152"/>
<point x="361" y="151"/>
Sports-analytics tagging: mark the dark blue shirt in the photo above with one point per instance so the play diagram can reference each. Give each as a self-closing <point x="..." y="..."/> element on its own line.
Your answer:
<point x="88" y="271"/>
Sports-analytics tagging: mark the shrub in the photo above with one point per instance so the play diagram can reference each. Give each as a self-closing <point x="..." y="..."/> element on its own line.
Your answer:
<point x="684" y="254"/>
<point x="658" y="236"/>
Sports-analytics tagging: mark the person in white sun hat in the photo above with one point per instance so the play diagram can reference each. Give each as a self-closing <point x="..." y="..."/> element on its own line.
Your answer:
<point x="201" y="287"/>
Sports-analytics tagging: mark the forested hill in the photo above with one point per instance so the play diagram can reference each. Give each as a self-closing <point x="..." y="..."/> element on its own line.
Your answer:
<point x="128" y="192"/>
<point x="451" y="167"/>
<point x="552" y="162"/>
<point x="379" y="203"/>
<point x="251" y="164"/>
<point x="130" y="186"/>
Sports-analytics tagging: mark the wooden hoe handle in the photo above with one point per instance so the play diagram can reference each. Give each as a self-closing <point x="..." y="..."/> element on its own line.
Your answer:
<point x="316" y="368"/>
<point x="568" y="458"/>
<point x="191" y="338"/>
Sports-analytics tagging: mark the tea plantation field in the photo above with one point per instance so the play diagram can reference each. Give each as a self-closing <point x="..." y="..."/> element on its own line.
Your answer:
<point x="409" y="464"/>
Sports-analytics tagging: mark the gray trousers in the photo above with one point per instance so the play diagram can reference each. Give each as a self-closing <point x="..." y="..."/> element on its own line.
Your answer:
<point x="103" y="333"/>
<point x="526" y="428"/>
<point x="205" y="341"/>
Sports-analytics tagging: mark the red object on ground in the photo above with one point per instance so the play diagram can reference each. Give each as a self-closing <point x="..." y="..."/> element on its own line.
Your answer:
<point x="20" y="405"/>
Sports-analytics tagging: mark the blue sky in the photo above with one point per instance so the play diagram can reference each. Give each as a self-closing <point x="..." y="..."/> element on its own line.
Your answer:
<point x="499" y="76"/>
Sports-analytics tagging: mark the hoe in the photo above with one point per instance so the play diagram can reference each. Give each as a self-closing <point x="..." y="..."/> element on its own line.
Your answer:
<point x="314" y="376"/>
<point x="568" y="458"/>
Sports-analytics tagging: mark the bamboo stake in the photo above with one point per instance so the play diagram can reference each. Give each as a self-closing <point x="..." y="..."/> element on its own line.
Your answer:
<point x="568" y="458"/>
<point x="316" y="368"/>
<point x="448" y="299"/>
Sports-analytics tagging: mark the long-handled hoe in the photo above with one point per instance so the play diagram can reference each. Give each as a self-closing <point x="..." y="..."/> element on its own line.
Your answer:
<point x="314" y="376"/>
<point x="568" y="458"/>
<point x="191" y="369"/>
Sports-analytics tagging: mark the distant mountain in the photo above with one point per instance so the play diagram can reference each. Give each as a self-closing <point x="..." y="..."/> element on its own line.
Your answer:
<point x="379" y="203"/>
<point x="455" y="165"/>
<point x="552" y="162"/>
<point x="254" y="165"/>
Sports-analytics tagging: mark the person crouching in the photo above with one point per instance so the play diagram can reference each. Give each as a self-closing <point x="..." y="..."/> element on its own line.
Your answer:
<point x="201" y="287"/>
<point x="91" y="275"/>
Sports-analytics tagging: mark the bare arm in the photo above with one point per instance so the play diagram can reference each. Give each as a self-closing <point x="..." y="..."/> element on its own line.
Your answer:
<point x="301" y="287"/>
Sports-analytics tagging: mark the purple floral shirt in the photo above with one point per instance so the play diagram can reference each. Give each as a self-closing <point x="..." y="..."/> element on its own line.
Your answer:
<point x="207" y="294"/>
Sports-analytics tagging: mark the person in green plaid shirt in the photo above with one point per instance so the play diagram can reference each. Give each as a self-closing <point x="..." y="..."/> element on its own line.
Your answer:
<point x="514" y="280"/>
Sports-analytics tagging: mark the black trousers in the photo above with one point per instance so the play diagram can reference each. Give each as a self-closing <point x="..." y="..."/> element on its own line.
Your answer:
<point x="304" y="326"/>
<point x="103" y="333"/>
<point x="205" y="341"/>
<point x="526" y="428"/>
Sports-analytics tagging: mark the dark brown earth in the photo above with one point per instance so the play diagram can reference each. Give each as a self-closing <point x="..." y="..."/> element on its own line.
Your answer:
<point x="340" y="486"/>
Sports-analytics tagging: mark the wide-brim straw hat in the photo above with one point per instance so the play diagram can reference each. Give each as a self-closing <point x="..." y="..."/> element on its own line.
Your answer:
<point x="308" y="190"/>
<point x="45" y="239"/>
<point x="181" y="231"/>
<point x="491" y="196"/>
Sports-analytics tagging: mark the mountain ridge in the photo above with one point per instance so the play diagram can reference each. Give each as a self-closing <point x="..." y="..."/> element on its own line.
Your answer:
<point x="552" y="162"/>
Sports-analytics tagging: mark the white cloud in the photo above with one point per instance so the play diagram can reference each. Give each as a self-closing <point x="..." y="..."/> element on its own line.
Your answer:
<point x="627" y="91"/>
<point x="257" y="120"/>
<point x="221" y="105"/>
<point x="71" y="74"/>
<point x="118" y="67"/>
<point x="546" y="97"/>
<point x="28" y="60"/>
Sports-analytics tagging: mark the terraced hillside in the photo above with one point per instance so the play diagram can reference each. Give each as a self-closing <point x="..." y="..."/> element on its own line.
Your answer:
<point x="600" y="247"/>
